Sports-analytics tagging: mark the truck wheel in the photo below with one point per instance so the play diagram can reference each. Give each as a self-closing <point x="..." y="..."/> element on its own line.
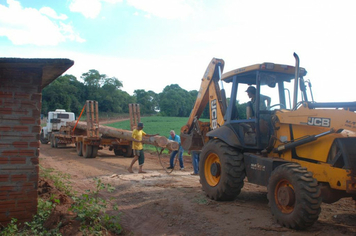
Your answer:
<point x="118" y="152"/>
<point x="94" y="151"/>
<point x="294" y="196"/>
<point x="129" y="151"/>
<point x="55" y="142"/>
<point x="52" y="141"/>
<point x="87" y="150"/>
<point x="79" y="148"/>
<point x="43" y="139"/>
<point x="221" y="170"/>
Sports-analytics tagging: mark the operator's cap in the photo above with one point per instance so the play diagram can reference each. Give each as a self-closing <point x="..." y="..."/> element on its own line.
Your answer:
<point x="251" y="89"/>
<point x="140" y="125"/>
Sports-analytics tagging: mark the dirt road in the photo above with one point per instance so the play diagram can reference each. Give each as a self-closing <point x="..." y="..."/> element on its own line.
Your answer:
<point x="157" y="203"/>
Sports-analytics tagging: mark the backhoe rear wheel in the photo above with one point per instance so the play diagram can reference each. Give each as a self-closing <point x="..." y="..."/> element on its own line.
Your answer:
<point x="294" y="196"/>
<point x="221" y="170"/>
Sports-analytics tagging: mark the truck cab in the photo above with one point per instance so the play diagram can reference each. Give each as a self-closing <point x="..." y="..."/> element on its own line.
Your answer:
<point x="55" y="120"/>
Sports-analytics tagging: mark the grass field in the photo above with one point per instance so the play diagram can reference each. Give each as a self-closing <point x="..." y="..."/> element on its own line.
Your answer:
<point x="155" y="125"/>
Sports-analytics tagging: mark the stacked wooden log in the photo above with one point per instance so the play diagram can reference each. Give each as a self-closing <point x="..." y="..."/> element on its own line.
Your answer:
<point x="105" y="131"/>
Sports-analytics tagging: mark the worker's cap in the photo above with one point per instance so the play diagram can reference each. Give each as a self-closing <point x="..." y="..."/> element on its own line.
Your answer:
<point x="251" y="89"/>
<point x="140" y="125"/>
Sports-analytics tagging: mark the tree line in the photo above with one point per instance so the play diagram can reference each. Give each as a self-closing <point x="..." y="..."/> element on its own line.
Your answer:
<point x="67" y="92"/>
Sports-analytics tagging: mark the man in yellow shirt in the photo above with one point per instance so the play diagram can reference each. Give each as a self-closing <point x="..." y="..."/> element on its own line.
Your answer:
<point x="137" y="147"/>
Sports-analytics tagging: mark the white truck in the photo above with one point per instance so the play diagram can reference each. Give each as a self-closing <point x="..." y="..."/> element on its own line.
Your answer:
<point x="55" y="120"/>
<point x="63" y="129"/>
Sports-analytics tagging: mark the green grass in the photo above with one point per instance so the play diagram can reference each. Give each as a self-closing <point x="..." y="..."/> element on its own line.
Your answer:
<point x="91" y="210"/>
<point x="156" y="124"/>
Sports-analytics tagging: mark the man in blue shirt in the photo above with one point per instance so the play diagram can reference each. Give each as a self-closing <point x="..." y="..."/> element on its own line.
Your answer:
<point x="175" y="137"/>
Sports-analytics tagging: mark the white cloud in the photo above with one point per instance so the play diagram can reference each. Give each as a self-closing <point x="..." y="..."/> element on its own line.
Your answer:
<point x="172" y="9"/>
<point x="89" y="8"/>
<point x="51" y="13"/>
<point x="31" y="26"/>
<point x="69" y="33"/>
<point x="112" y="1"/>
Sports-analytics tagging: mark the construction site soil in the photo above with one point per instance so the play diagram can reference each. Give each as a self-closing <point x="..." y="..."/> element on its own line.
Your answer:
<point x="161" y="203"/>
<point x="158" y="203"/>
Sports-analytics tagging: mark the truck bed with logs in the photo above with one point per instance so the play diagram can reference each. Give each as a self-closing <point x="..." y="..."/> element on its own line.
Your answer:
<point x="89" y="137"/>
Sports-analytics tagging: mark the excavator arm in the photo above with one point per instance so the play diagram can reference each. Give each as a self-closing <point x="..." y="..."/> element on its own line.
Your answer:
<point x="193" y="133"/>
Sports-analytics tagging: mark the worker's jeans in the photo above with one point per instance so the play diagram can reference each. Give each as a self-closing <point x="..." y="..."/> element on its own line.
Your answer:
<point x="195" y="161"/>
<point x="180" y="157"/>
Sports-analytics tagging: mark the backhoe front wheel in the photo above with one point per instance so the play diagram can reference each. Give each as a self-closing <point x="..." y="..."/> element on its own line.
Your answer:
<point x="221" y="170"/>
<point x="294" y="196"/>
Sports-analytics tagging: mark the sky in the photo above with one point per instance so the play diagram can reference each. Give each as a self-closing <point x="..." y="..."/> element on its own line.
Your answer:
<point x="149" y="44"/>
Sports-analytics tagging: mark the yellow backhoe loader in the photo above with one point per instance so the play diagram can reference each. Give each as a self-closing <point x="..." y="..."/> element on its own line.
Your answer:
<point x="303" y="151"/>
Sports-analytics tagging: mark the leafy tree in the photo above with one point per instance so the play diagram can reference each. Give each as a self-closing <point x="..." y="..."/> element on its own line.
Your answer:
<point x="93" y="81"/>
<point x="109" y="95"/>
<point x="66" y="92"/>
<point x="241" y="109"/>
<point x="148" y="101"/>
<point x="175" y="101"/>
<point x="107" y="91"/>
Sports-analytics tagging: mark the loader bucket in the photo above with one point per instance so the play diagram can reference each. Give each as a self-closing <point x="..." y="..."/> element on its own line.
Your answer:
<point x="191" y="141"/>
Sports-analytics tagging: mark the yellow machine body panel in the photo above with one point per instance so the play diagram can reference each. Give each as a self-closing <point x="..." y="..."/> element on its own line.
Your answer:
<point x="294" y="125"/>
<point x="337" y="178"/>
<point x="193" y="133"/>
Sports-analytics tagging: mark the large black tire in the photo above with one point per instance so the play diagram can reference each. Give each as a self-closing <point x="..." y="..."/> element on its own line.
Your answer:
<point x="43" y="139"/>
<point x="129" y="151"/>
<point x="221" y="170"/>
<point x="94" y="151"/>
<point x="79" y="146"/>
<point x="294" y="196"/>
<point x="54" y="142"/>
<point x="118" y="152"/>
<point x="87" y="150"/>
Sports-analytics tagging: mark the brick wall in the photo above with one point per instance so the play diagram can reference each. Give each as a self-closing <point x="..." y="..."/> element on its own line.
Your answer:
<point x="20" y="108"/>
<point x="21" y="84"/>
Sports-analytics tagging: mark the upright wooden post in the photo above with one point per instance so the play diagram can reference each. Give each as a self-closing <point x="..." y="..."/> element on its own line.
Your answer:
<point x="138" y="115"/>
<point x="135" y="116"/>
<point x="131" y="116"/>
<point x="92" y="119"/>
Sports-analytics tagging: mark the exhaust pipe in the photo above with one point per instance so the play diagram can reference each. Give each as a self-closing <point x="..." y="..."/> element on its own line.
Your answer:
<point x="295" y="97"/>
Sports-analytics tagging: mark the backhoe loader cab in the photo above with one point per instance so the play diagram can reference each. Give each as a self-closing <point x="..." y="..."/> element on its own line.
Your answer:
<point x="269" y="85"/>
<point x="303" y="151"/>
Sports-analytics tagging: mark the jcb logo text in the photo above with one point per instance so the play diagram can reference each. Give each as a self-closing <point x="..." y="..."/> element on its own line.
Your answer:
<point x="317" y="121"/>
<point x="214" y="116"/>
